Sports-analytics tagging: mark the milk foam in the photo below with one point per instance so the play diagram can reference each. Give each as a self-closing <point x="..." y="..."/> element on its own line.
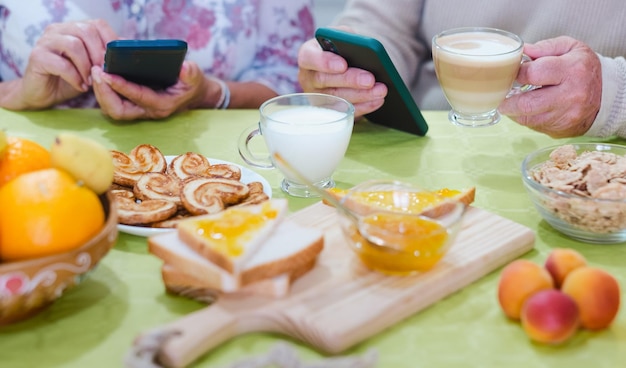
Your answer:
<point x="480" y="44"/>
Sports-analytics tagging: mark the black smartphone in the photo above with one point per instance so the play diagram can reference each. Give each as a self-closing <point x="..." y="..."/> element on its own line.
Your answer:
<point x="152" y="63"/>
<point x="399" y="110"/>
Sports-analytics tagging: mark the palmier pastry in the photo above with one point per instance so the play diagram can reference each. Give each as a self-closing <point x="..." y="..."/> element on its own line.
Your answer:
<point x="123" y="192"/>
<point x="256" y="195"/>
<point x="121" y="187"/>
<point x="171" y="222"/>
<point x="255" y="198"/>
<point x="188" y="165"/>
<point x="210" y="195"/>
<point x="145" y="212"/>
<point x="142" y="159"/>
<point x="157" y="185"/>
<point x="226" y="171"/>
<point x="255" y="187"/>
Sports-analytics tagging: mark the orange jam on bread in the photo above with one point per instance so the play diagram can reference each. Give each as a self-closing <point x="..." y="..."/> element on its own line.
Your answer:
<point x="408" y="202"/>
<point x="416" y="243"/>
<point x="234" y="228"/>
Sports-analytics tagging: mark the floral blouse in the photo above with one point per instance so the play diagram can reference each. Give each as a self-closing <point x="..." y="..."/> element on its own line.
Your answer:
<point x="238" y="40"/>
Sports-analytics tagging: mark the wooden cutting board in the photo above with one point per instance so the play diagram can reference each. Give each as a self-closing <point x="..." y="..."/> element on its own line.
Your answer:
<point x="340" y="303"/>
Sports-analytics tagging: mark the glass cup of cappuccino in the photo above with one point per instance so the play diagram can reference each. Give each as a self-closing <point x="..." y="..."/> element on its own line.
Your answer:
<point x="476" y="68"/>
<point x="309" y="130"/>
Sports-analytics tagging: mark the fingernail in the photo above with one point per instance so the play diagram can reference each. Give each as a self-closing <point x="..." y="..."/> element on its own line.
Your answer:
<point x="379" y="90"/>
<point x="336" y="65"/>
<point x="95" y="74"/>
<point x="365" y="79"/>
<point x="105" y="77"/>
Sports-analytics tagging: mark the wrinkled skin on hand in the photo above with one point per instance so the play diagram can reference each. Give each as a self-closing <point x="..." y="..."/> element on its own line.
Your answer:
<point x="120" y="99"/>
<point x="325" y="72"/>
<point x="570" y="74"/>
<point x="59" y="66"/>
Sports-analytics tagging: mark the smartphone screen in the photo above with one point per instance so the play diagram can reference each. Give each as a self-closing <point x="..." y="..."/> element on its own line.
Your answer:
<point x="152" y="63"/>
<point x="399" y="110"/>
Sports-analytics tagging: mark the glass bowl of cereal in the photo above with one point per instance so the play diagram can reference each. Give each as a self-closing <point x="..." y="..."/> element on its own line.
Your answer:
<point x="580" y="189"/>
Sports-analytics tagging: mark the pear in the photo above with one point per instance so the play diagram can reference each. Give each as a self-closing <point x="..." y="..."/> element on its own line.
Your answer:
<point x="85" y="159"/>
<point x="3" y="142"/>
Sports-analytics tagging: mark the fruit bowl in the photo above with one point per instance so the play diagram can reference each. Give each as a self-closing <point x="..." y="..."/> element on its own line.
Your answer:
<point x="27" y="287"/>
<point x="580" y="190"/>
<point x="393" y="211"/>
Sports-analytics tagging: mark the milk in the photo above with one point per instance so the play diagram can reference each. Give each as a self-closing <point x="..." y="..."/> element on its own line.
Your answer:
<point x="313" y="139"/>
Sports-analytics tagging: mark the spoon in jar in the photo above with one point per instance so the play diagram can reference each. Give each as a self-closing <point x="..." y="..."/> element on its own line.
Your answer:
<point x="355" y="218"/>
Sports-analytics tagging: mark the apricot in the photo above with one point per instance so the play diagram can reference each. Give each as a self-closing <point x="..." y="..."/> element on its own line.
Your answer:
<point x="550" y="316"/>
<point x="519" y="280"/>
<point x="597" y="294"/>
<point x="562" y="261"/>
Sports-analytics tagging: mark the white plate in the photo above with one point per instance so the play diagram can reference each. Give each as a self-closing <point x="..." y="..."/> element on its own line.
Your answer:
<point x="247" y="176"/>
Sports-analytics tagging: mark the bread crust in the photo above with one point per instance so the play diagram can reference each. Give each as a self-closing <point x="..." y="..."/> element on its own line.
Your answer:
<point x="181" y="282"/>
<point x="297" y="259"/>
<point x="289" y="264"/>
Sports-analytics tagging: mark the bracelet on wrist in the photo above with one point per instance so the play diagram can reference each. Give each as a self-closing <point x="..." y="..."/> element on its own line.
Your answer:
<point x="224" y="100"/>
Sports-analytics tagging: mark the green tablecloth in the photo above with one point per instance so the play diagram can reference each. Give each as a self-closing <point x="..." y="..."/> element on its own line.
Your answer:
<point x="94" y="324"/>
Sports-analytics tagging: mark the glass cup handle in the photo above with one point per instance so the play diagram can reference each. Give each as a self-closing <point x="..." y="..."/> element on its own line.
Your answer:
<point x="244" y="150"/>
<point x="519" y="88"/>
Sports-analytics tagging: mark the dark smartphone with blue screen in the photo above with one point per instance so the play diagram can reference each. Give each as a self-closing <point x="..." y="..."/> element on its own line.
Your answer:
<point x="152" y="63"/>
<point x="399" y="110"/>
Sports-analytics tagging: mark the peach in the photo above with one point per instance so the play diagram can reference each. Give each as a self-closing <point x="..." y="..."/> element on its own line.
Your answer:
<point x="550" y="316"/>
<point x="562" y="261"/>
<point x="597" y="294"/>
<point x="518" y="280"/>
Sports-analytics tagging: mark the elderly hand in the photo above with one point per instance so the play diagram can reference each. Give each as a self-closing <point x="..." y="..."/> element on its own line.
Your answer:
<point x="59" y="67"/>
<point x="120" y="99"/>
<point x="571" y="76"/>
<point x="325" y="72"/>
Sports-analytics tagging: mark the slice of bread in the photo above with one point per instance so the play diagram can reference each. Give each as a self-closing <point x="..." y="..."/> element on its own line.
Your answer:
<point x="289" y="249"/>
<point x="181" y="282"/>
<point x="231" y="237"/>
<point x="363" y="207"/>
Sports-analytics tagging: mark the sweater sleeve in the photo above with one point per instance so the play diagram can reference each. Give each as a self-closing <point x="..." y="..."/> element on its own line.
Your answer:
<point x="396" y="26"/>
<point x="611" y="119"/>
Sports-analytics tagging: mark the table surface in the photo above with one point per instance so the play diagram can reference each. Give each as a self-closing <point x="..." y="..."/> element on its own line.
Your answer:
<point x="94" y="324"/>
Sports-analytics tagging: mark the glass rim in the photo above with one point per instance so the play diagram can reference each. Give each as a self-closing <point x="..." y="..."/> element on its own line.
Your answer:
<point x="350" y="110"/>
<point x="403" y="188"/>
<point x="452" y="31"/>
<point x="528" y="166"/>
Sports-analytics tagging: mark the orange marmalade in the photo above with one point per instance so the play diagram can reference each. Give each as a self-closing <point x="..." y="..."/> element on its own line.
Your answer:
<point x="417" y="243"/>
<point x="229" y="232"/>
<point x="403" y="201"/>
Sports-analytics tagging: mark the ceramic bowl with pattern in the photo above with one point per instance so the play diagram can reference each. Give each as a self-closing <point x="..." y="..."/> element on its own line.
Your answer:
<point x="27" y="287"/>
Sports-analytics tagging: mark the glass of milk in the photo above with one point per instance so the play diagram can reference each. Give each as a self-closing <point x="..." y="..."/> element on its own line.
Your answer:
<point x="309" y="130"/>
<point x="476" y="68"/>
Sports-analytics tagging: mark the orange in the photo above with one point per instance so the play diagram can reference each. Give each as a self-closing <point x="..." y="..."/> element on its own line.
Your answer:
<point x="46" y="212"/>
<point x="22" y="156"/>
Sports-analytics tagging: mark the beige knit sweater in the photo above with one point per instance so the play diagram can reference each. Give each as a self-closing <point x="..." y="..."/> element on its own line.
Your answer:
<point x="406" y="27"/>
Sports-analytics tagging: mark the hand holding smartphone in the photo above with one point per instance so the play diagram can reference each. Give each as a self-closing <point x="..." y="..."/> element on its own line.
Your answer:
<point x="399" y="110"/>
<point x="152" y="63"/>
